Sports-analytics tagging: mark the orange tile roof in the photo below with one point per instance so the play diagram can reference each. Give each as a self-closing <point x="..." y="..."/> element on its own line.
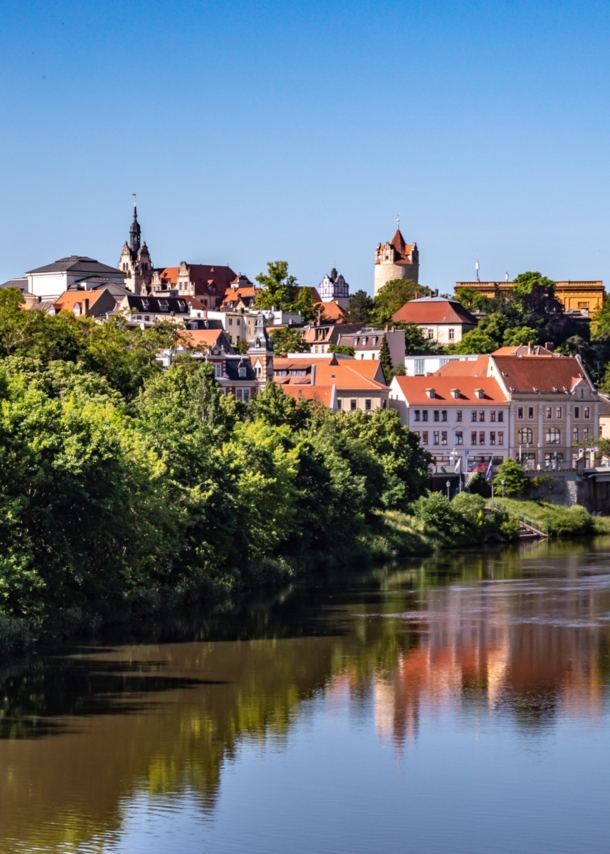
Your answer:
<point x="433" y="310"/>
<point x="169" y="274"/>
<point x="68" y="299"/>
<point x="468" y="368"/>
<point x="202" y="338"/>
<point x="321" y="393"/>
<point x="345" y="377"/>
<point x="370" y="368"/>
<point x="331" y="311"/>
<point x="233" y="294"/>
<point x="414" y="390"/>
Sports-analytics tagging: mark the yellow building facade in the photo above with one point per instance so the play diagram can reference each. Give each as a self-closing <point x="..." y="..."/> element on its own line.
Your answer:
<point x="575" y="296"/>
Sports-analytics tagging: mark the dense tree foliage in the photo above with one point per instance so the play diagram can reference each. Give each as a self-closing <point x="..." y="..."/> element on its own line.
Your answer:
<point x="119" y="481"/>
<point x="392" y="296"/>
<point x="288" y="339"/>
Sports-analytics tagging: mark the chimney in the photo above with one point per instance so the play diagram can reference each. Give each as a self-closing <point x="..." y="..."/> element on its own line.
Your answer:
<point x="530" y="348"/>
<point x="85" y="303"/>
<point x="550" y="346"/>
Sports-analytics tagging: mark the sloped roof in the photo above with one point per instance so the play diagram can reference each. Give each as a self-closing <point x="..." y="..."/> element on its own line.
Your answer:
<point x="523" y="350"/>
<point x="540" y="373"/>
<point x="77" y="264"/>
<point x="69" y="299"/>
<point x="210" y="277"/>
<point x="414" y="390"/>
<point x="204" y="338"/>
<point x="433" y="310"/>
<point x="323" y="394"/>
<point x="332" y="311"/>
<point x="370" y="368"/>
<point x="467" y="368"/>
<point x="345" y="377"/>
<point x="169" y="274"/>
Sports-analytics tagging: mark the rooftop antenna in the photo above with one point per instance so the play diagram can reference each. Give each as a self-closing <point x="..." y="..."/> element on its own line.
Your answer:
<point x="398" y="222"/>
<point x="506" y="276"/>
<point x="476" y="267"/>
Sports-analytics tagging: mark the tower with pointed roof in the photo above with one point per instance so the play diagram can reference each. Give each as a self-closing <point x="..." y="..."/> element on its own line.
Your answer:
<point x="135" y="259"/>
<point x="396" y="260"/>
<point x="260" y="351"/>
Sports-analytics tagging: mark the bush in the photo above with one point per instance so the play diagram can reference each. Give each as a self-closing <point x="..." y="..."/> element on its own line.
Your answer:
<point x="515" y="481"/>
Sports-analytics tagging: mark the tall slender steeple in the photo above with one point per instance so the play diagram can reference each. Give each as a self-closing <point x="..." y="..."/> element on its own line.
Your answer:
<point x="134" y="231"/>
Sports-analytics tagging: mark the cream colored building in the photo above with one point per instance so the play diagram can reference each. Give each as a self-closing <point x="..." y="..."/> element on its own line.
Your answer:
<point x="396" y="260"/>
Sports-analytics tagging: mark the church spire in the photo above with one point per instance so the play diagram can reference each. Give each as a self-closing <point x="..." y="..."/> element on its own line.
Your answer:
<point x="134" y="231"/>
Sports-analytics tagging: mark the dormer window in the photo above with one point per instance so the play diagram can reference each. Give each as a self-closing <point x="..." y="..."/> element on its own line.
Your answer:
<point x="145" y="304"/>
<point x="456" y="393"/>
<point x="242" y="373"/>
<point x="163" y="304"/>
<point x="479" y="393"/>
<point x="430" y="392"/>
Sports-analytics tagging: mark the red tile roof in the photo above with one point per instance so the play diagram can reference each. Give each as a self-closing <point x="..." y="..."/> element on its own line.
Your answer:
<point x="434" y="310"/>
<point x="540" y="373"/>
<point x="169" y="275"/>
<point x="201" y="338"/>
<point x="69" y="299"/>
<point x="370" y="368"/>
<point x="323" y="394"/>
<point x="346" y="377"/>
<point x="331" y="311"/>
<point x="414" y="390"/>
<point x="467" y="368"/>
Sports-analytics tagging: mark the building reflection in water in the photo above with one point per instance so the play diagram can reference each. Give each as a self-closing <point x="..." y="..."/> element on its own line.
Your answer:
<point x="538" y="650"/>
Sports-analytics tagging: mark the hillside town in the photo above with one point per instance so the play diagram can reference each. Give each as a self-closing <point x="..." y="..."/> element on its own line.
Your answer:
<point x="526" y="400"/>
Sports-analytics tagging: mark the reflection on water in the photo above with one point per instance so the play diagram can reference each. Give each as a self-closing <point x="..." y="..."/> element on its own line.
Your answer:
<point x="105" y="749"/>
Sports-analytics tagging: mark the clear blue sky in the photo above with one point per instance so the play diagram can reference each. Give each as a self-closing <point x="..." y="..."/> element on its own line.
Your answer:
<point x="256" y="131"/>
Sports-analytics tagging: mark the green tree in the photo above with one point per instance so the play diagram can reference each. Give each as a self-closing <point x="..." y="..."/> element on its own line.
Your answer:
<point x="517" y="337"/>
<point x="416" y="344"/>
<point x="359" y="308"/>
<point x="306" y="306"/>
<point x="288" y="339"/>
<point x="342" y="349"/>
<point x="386" y="360"/>
<point x="278" y="288"/>
<point x="476" y="341"/>
<point x="392" y="296"/>
<point x="515" y="481"/>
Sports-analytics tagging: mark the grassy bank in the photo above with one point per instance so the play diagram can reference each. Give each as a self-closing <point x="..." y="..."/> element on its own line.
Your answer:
<point x="561" y="522"/>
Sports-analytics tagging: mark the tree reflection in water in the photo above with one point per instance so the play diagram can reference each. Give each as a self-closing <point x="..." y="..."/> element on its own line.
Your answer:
<point x="517" y="634"/>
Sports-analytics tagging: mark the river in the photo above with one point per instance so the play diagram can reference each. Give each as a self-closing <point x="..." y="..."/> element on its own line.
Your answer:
<point x="456" y="704"/>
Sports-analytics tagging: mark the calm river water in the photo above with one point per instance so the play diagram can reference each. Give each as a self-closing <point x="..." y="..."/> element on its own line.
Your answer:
<point x="451" y="705"/>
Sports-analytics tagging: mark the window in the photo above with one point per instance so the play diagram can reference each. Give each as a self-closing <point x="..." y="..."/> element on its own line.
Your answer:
<point x="526" y="436"/>
<point x="163" y="303"/>
<point x="585" y="434"/>
<point x="375" y="341"/>
<point x="147" y="317"/>
<point x="481" y="416"/>
<point x="577" y="412"/>
<point x="238" y="393"/>
<point x="246" y="395"/>
<point x="364" y="341"/>
<point x="443" y="414"/>
<point x="217" y="370"/>
<point x="481" y="438"/>
<point x="444" y="437"/>
<point x="458" y="415"/>
<point x="501" y="417"/>
<point x="352" y="404"/>
<point x="424" y="415"/>
<point x="145" y="304"/>
<point x="459" y="438"/>
<point x="575" y="433"/>
<point x="500" y="437"/>
<point x="582" y="394"/>
<point x="452" y="334"/>
<point x="549" y="412"/>
<point x="419" y="367"/>
<point x="424" y="437"/>
<point x="473" y="437"/>
<point x="416" y="414"/>
<point x="339" y="403"/>
<point x="242" y="373"/>
<point x="435" y="437"/>
<point x="430" y="333"/>
<point x="558" y="412"/>
<point x="473" y="415"/>
<point x="367" y="404"/>
<point x="492" y="416"/>
<point x="553" y="435"/>
<point x="587" y="412"/>
<point x="436" y="415"/>
<point x="230" y="321"/>
<point x="530" y="412"/>
<point x="519" y="412"/>
<point x="492" y="437"/>
<point x="551" y="459"/>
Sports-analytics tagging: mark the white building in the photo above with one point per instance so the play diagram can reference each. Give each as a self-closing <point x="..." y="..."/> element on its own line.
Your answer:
<point x="74" y="272"/>
<point x="423" y="366"/>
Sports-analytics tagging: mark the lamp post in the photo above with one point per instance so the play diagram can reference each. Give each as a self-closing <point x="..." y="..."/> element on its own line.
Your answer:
<point x="502" y="482"/>
<point x="448" y="485"/>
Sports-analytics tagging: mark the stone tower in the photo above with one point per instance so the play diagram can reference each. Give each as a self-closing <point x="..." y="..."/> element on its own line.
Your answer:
<point x="260" y="351"/>
<point x="396" y="260"/>
<point x="135" y="259"/>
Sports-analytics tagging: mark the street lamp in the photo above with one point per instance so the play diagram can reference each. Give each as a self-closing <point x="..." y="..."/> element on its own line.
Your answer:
<point x="448" y="485"/>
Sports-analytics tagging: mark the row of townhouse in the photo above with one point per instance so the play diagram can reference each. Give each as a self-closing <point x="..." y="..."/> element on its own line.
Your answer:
<point x="537" y="409"/>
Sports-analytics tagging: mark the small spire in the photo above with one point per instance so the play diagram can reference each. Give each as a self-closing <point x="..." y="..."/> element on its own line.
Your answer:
<point x="398" y="221"/>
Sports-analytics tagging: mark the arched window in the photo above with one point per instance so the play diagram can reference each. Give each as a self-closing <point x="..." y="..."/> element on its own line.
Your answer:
<point x="553" y="436"/>
<point x="526" y="435"/>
